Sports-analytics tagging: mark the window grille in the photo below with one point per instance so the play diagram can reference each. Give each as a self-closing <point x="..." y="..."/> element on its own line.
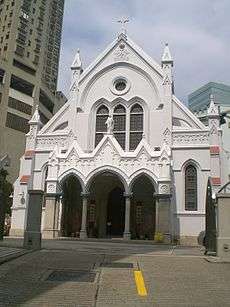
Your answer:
<point x="190" y="188"/>
<point x="136" y="126"/>
<point x="19" y="105"/>
<point x="17" y="122"/>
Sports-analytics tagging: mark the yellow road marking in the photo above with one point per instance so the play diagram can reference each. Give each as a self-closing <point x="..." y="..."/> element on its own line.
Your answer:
<point x="140" y="283"/>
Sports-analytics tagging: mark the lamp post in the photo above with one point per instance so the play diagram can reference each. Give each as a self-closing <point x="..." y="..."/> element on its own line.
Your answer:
<point x="4" y="162"/>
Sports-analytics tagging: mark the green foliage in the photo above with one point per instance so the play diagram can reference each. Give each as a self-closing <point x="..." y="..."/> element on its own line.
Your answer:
<point x="7" y="191"/>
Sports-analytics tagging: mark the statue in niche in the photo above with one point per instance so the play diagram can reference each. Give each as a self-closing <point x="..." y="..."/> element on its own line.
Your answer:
<point x="110" y="124"/>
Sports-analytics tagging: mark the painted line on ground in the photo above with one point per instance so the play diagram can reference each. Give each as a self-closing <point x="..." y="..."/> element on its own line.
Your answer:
<point x="140" y="284"/>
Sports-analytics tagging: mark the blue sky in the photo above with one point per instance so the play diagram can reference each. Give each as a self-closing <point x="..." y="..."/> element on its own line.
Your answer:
<point x="198" y="32"/>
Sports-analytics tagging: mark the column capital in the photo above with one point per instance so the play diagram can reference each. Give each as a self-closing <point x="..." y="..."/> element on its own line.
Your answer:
<point x="38" y="192"/>
<point x="52" y="195"/>
<point x="85" y="194"/>
<point x="162" y="196"/>
<point x="128" y="195"/>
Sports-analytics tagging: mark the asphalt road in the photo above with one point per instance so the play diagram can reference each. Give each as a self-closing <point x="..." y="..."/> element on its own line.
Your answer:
<point x="75" y="273"/>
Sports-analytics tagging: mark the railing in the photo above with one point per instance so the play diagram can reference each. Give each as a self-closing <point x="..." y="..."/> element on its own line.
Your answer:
<point x="225" y="188"/>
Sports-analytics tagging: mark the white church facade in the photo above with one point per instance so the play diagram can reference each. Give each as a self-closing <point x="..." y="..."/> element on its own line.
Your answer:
<point x="123" y="157"/>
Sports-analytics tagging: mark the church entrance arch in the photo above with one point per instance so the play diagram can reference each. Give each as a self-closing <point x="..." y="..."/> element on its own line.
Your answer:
<point x="71" y="211"/>
<point x="143" y="208"/>
<point x="106" y="207"/>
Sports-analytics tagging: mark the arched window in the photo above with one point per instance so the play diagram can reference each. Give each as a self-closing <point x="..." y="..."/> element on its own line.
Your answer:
<point x="101" y="117"/>
<point x="119" y="117"/>
<point x="190" y="188"/>
<point x="136" y="126"/>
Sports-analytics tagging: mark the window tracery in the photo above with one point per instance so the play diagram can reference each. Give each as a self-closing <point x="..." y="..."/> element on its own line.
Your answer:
<point x="101" y="117"/>
<point x="136" y="126"/>
<point x="119" y="117"/>
<point x="128" y="125"/>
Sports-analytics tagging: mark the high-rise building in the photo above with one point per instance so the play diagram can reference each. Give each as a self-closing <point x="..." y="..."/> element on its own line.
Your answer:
<point x="30" y="38"/>
<point x="198" y="104"/>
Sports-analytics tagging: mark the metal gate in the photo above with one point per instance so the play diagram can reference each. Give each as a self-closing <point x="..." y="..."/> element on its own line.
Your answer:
<point x="210" y="228"/>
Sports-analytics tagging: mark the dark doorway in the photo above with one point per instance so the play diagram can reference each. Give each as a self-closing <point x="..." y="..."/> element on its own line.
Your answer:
<point x="71" y="207"/>
<point x="116" y="212"/>
<point x="143" y="209"/>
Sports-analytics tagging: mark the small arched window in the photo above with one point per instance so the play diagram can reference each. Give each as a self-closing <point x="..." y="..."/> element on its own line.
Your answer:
<point x="136" y="126"/>
<point x="119" y="117"/>
<point x="190" y="188"/>
<point x="101" y="117"/>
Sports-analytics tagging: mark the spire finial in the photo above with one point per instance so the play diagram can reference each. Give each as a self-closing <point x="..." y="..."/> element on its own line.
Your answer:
<point x="123" y="21"/>
<point x="167" y="57"/>
<point x="36" y="117"/>
<point x="213" y="108"/>
<point x="77" y="61"/>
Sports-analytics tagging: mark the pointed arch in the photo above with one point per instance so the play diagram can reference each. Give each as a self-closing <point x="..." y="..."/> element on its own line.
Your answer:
<point x="75" y="173"/>
<point x="191" y="195"/>
<point x="146" y="173"/>
<point x="119" y="117"/>
<point x="114" y="170"/>
<point x="136" y="125"/>
<point x="102" y="113"/>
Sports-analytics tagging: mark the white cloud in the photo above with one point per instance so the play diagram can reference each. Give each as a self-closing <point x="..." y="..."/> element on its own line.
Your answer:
<point x="197" y="31"/>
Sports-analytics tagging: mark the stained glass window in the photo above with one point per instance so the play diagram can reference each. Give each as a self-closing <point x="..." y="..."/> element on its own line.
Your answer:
<point x="190" y="188"/>
<point x="136" y="126"/>
<point x="101" y="117"/>
<point x="119" y="117"/>
<point x="121" y="132"/>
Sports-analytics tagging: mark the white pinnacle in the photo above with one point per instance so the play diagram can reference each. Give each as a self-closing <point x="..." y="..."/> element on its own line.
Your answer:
<point x="36" y="116"/>
<point x="166" y="57"/>
<point x="213" y="108"/>
<point x="77" y="61"/>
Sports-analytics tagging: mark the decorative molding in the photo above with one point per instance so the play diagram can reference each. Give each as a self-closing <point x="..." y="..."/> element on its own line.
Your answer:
<point x="52" y="141"/>
<point x="166" y="80"/>
<point x="167" y="136"/>
<point x="51" y="188"/>
<point x="164" y="189"/>
<point x="110" y="155"/>
<point x="191" y="138"/>
<point x="121" y="53"/>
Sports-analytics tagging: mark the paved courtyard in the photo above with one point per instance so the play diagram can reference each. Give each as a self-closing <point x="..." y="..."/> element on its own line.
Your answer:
<point x="75" y="273"/>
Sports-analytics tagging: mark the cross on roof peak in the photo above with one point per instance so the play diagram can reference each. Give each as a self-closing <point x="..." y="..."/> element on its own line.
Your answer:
<point x="123" y="21"/>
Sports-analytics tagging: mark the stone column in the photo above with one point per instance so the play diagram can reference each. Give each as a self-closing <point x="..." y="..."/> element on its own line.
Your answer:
<point x="223" y="226"/>
<point x="51" y="217"/>
<point x="83" y="231"/>
<point x="163" y="217"/>
<point x="32" y="234"/>
<point x="127" y="234"/>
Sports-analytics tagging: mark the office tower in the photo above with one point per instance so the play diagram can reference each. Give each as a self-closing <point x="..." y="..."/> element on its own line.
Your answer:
<point x="30" y="38"/>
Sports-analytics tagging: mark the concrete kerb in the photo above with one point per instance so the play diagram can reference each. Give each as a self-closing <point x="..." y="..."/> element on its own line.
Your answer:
<point x="14" y="256"/>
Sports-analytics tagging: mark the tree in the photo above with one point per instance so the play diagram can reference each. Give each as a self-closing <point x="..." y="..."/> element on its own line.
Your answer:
<point x="6" y="189"/>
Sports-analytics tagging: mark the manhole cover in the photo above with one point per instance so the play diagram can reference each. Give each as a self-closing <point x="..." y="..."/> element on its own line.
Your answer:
<point x="74" y="276"/>
<point x="118" y="265"/>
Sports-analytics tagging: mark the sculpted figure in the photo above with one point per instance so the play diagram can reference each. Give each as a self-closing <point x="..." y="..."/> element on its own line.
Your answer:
<point x="110" y="124"/>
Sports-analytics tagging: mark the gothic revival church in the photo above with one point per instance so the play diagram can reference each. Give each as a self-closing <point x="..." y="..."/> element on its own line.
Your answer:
<point x="123" y="157"/>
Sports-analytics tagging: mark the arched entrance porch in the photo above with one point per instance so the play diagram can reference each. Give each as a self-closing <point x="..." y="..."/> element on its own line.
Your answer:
<point x="106" y="206"/>
<point x="143" y="208"/>
<point x="71" y="207"/>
